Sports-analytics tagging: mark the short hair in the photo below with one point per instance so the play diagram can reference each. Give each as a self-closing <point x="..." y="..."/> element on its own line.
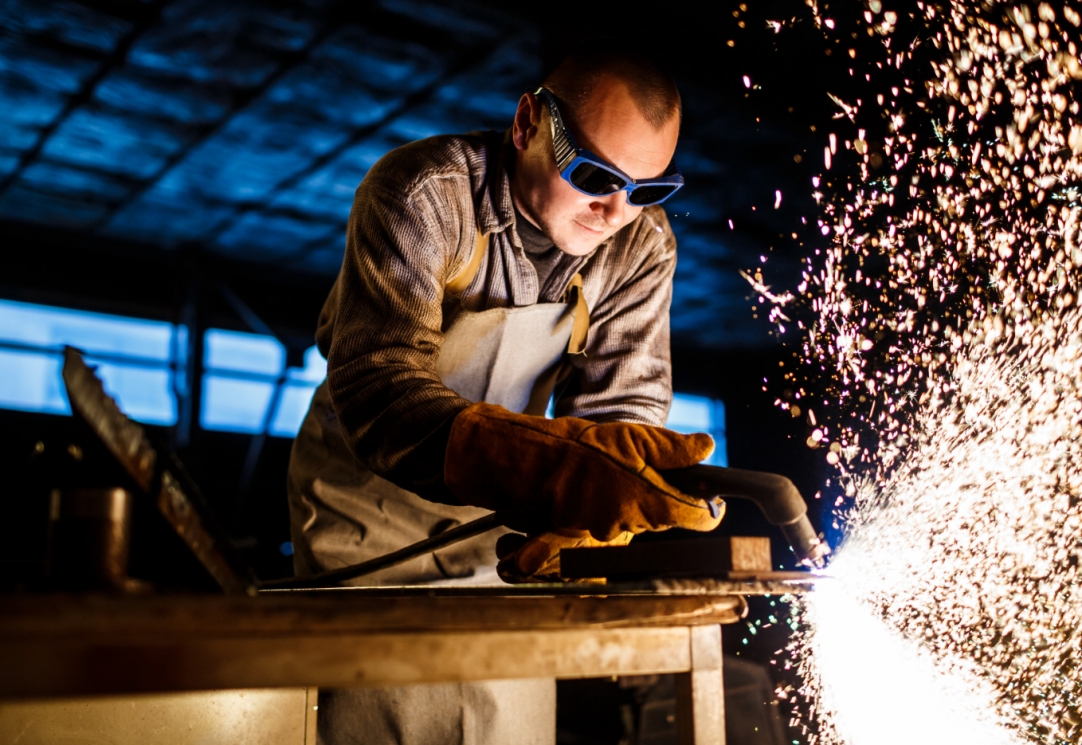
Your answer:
<point x="577" y="76"/>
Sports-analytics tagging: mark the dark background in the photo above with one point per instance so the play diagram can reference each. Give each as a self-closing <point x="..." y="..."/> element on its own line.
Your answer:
<point x="151" y="152"/>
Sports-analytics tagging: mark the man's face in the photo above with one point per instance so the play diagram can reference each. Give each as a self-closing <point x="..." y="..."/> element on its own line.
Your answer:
<point x="611" y="127"/>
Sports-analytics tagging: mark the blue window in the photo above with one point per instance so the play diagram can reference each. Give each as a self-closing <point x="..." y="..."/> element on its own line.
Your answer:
<point x="133" y="356"/>
<point x="247" y="386"/>
<point x="690" y="414"/>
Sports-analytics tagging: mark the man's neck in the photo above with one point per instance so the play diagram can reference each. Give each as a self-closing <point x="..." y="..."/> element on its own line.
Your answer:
<point x="534" y="241"/>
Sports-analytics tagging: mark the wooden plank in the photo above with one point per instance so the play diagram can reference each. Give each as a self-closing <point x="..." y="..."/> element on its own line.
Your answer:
<point x="178" y="617"/>
<point x="311" y="714"/>
<point x="702" y="557"/>
<point x="48" y="666"/>
<point x="268" y="716"/>
<point x="700" y="697"/>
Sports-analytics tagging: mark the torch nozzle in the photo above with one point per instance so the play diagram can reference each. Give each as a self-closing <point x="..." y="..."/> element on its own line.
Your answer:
<point x="777" y="497"/>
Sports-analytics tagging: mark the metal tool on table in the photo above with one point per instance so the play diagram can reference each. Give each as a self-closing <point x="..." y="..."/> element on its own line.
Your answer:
<point x="776" y="496"/>
<point x="89" y="539"/>
<point x="157" y="471"/>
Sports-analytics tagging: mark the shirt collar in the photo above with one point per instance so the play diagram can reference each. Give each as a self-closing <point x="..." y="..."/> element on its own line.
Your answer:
<point x="496" y="212"/>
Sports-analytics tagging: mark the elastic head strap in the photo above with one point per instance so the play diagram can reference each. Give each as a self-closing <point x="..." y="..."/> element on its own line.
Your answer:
<point x="458" y="284"/>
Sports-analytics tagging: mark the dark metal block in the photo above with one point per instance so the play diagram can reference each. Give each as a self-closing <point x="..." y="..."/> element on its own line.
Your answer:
<point x="713" y="557"/>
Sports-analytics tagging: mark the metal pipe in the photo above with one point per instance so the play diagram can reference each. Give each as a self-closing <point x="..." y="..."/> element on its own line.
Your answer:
<point x="777" y="497"/>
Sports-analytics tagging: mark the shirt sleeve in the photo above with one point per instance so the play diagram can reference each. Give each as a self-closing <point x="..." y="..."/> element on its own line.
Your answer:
<point x="626" y="372"/>
<point x="394" y="411"/>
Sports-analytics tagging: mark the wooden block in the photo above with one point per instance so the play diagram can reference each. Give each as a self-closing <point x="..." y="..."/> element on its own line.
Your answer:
<point x="701" y="557"/>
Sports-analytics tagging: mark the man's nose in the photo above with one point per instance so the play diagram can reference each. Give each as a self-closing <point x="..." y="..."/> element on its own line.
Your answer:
<point x="612" y="208"/>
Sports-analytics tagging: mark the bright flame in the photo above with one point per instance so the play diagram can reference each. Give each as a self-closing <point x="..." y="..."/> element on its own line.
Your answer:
<point x="886" y="690"/>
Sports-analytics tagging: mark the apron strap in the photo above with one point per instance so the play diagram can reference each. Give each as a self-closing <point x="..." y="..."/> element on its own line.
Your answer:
<point x="559" y="373"/>
<point x="573" y="296"/>
<point x="458" y="284"/>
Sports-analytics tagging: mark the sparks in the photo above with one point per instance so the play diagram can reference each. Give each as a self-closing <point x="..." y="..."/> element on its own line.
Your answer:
<point x="941" y="324"/>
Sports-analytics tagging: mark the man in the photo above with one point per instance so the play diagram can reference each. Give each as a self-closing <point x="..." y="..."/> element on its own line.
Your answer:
<point x="481" y="272"/>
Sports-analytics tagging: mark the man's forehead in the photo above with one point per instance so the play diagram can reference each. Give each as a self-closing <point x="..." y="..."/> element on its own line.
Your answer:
<point x="610" y="123"/>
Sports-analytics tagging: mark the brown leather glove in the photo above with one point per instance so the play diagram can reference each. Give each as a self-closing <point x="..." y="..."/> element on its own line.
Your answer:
<point x="574" y="474"/>
<point x="537" y="559"/>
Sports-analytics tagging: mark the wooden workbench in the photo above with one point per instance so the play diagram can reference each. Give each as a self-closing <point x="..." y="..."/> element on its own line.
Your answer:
<point x="78" y="645"/>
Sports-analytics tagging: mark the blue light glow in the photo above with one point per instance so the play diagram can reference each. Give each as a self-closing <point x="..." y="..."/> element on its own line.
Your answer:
<point x="132" y="357"/>
<point x="31" y="382"/>
<point x="143" y="394"/>
<point x="245" y="353"/>
<point x="234" y="405"/>
<point x="44" y="326"/>
<point x="314" y="370"/>
<point x="292" y="407"/>
<point x="691" y="414"/>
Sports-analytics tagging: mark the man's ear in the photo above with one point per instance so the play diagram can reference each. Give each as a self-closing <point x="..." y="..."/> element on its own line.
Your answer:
<point x="527" y="121"/>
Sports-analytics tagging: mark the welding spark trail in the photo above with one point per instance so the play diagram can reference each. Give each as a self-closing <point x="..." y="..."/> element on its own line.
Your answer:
<point x="944" y="315"/>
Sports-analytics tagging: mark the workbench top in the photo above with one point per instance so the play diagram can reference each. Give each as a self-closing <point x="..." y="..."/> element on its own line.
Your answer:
<point x="65" y="645"/>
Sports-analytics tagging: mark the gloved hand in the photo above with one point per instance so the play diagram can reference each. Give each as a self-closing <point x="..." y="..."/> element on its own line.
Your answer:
<point x="573" y="474"/>
<point x="537" y="559"/>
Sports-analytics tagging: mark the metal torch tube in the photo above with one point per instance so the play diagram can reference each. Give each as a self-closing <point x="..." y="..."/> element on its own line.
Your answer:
<point x="778" y="499"/>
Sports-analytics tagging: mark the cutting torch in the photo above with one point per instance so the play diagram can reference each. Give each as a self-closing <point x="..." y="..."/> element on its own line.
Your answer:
<point x="777" y="497"/>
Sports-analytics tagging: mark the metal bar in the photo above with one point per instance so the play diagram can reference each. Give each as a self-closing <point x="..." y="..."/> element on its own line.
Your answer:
<point x="114" y="60"/>
<point x="421" y="548"/>
<point x="244" y="311"/>
<point x="158" y="472"/>
<point x="40" y="666"/>
<point x="787" y="583"/>
<point x="188" y="382"/>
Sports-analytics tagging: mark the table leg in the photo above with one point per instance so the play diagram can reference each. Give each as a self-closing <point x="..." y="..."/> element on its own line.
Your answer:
<point x="700" y="699"/>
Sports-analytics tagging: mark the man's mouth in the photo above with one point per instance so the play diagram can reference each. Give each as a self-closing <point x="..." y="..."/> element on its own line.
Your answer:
<point x="587" y="228"/>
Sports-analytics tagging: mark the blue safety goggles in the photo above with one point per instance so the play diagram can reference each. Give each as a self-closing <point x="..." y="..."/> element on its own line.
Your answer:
<point x="592" y="175"/>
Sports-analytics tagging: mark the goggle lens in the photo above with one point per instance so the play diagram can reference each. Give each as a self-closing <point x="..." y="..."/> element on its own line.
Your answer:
<point x="596" y="180"/>
<point x="646" y="195"/>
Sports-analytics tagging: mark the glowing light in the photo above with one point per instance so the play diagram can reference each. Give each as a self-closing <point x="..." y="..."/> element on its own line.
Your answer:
<point x="884" y="690"/>
<point x="942" y="328"/>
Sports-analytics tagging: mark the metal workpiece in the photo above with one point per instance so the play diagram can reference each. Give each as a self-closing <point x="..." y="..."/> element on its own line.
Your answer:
<point x="157" y="472"/>
<point x="125" y="439"/>
<point x="89" y="538"/>
<point x="778" y="499"/>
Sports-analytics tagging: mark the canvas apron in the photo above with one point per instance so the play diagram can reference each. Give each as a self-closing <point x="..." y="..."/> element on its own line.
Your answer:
<point x="342" y="513"/>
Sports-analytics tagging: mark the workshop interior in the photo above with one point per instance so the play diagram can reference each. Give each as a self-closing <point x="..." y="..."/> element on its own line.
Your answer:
<point x="176" y="186"/>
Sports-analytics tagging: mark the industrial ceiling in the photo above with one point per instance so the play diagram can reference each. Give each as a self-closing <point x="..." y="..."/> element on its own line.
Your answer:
<point x="243" y="128"/>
